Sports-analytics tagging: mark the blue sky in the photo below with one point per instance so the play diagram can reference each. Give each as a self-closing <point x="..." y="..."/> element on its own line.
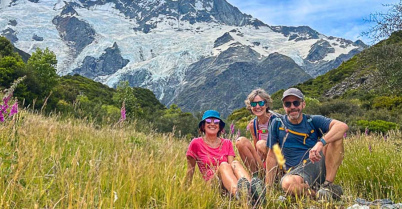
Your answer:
<point x="339" y="18"/>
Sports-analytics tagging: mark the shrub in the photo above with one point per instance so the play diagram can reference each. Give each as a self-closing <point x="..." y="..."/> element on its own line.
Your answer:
<point x="377" y="125"/>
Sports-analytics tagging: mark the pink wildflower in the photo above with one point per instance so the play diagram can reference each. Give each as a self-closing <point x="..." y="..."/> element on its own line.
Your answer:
<point x="123" y="112"/>
<point x="366" y="131"/>
<point x="232" y="128"/>
<point x="238" y="133"/>
<point x="370" y="148"/>
<point x="14" y="109"/>
<point x="4" y="107"/>
<point x="345" y="135"/>
<point x="6" y="99"/>
<point x="1" y="116"/>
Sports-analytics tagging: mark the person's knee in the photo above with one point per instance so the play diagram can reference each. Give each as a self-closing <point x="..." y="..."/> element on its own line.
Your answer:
<point x="286" y="183"/>
<point x="235" y="163"/>
<point x="291" y="181"/>
<point x="224" y="166"/>
<point x="241" y="142"/>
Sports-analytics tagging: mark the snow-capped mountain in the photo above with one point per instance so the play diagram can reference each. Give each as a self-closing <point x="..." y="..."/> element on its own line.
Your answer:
<point x="199" y="54"/>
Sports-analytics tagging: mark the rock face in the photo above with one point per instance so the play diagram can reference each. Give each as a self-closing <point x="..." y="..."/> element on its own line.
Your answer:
<point x="227" y="89"/>
<point x="108" y="63"/>
<point x="37" y="38"/>
<point x="297" y="33"/>
<point x="76" y="33"/>
<point x="10" y="34"/>
<point x="223" y="39"/>
<point x="319" y="51"/>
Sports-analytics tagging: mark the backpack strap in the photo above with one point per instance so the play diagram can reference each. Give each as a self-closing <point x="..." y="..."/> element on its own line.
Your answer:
<point x="255" y="127"/>
<point x="310" y="121"/>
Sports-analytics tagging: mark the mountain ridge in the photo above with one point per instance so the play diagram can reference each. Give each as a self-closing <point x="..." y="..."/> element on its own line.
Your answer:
<point x="163" y="41"/>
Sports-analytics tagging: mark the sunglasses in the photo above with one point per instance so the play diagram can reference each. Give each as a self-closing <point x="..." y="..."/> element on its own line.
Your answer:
<point x="209" y="121"/>
<point x="254" y="104"/>
<point x="289" y="104"/>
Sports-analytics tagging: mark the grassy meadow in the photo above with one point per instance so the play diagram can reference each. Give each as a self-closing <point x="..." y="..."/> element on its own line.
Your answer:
<point x="50" y="162"/>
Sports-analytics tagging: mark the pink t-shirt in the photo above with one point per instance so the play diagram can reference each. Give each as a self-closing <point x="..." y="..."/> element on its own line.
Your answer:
<point x="208" y="158"/>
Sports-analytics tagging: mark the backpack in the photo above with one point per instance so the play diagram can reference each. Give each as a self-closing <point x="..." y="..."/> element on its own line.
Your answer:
<point x="309" y="121"/>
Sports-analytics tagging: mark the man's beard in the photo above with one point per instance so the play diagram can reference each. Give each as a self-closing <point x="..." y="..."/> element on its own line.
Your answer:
<point x="294" y="117"/>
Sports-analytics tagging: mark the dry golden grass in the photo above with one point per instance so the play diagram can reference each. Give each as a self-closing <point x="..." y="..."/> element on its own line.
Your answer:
<point x="48" y="162"/>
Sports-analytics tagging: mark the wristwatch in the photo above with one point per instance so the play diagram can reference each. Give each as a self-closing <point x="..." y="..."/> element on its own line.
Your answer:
<point x="322" y="140"/>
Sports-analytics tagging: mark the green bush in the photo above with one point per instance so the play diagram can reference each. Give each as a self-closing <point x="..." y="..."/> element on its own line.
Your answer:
<point x="377" y="125"/>
<point x="340" y="106"/>
<point x="387" y="102"/>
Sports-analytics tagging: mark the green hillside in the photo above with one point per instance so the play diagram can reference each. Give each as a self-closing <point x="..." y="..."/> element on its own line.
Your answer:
<point x="363" y="91"/>
<point x="74" y="96"/>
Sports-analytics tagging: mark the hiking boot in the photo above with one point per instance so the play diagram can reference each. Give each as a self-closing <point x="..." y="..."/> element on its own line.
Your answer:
<point x="258" y="191"/>
<point x="329" y="191"/>
<point x="243" y="189"/>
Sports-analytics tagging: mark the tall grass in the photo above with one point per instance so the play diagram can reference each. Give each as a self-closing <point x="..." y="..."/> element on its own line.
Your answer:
<point x="48" y="162"/>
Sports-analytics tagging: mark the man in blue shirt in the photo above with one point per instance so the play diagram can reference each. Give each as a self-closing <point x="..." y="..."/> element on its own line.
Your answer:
<point x="312" y="147"/>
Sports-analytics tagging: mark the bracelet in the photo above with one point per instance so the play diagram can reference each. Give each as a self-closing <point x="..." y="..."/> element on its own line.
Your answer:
<point x="322" y="140"/>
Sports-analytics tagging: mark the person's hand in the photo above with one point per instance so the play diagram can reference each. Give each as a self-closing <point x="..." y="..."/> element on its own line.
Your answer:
<point x="314" y="153"/>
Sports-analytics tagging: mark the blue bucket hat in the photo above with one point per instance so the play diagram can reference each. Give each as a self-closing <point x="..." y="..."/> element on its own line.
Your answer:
<point x="212" y="114"/>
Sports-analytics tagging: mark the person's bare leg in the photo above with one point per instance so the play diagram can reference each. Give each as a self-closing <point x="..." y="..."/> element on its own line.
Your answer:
<point x="239" y="170"/>
<point x="248" y="154"/>
<point x="295" y="185"/>
<point x="333" y="158"/>
<point x="262" y="149"/>
<point x="228" y="177"/>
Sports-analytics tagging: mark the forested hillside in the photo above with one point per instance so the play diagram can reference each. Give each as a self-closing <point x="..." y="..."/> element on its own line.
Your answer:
<point x="79" y="97"/>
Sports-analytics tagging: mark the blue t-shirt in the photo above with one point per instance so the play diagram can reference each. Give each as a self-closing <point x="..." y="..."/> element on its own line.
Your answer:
<point x="296" y="147"/>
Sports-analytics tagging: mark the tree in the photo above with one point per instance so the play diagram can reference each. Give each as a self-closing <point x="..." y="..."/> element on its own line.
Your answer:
<point x="126" y="94"/>
<point x="6" y="47"/>
<point x="43" y="65"/>
<point x="385" y="24"/>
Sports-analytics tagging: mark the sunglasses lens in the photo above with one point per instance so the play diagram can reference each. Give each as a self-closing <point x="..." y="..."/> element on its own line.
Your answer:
<point x="254" y="104"/>
<point x="289" y="104"/>
<point x="215" y="121"/>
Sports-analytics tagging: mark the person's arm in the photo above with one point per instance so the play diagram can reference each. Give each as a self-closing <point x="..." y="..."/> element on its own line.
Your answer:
<point x="271" y="168"/>
<point x="251" y="128"/>
<point x="230" y="159"/>
<point x="190" y="169"/>
<point x="336" y="131"/>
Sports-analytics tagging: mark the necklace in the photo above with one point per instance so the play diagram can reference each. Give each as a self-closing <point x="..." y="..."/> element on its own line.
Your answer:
<point x="213" y="144"/>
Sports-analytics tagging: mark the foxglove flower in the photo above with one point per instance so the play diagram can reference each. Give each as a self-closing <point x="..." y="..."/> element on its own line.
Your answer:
<point x="123" y="112"/>
<point x="14" y="109"/>
<point x="345" y="135"/>
<point x="1" y="116"/>
<point x="366" y="131"/>
<point x="238" y="133"/>
<point x="232" y="128"/>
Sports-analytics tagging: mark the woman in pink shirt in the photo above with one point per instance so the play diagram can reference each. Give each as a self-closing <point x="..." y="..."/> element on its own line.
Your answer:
<point x="215" y="157"/>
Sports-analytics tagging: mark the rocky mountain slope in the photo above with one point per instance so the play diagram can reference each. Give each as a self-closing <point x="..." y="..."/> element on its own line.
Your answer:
<point x="199" y="54"/>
